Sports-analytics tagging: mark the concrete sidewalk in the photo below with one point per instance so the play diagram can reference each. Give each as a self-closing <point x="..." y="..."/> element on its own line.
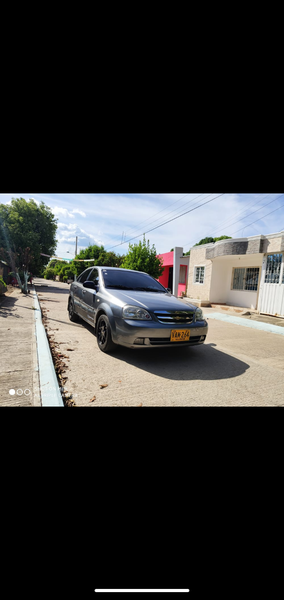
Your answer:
<point x="237" y="311"/>
<point x="19" y="383"/>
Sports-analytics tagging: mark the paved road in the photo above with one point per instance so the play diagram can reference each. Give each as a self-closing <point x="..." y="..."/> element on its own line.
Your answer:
<point x="237" y="366"/>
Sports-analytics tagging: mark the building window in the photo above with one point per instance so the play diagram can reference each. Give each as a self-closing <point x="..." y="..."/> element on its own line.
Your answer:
<point x="273" y="266"/>
<point x="245" y="278"/>
<point x="182" y="274"/>
<point x="199" y="275"/>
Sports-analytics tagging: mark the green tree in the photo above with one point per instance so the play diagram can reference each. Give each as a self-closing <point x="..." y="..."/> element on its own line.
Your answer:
<point x="141" y="257"/>
<point x="98" y="256"/>
<point x="206" y="240"/>
<point x="209" y="240"/>
<point x="222" y="237"/>
<point x="49" y="273"/>
<point x="24" y="224"/>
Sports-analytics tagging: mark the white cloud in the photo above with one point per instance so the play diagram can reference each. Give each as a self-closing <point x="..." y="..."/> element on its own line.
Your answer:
<point x="72" y="226"/>
<point x="80" y="212"/>
<point x="62" y="211"/>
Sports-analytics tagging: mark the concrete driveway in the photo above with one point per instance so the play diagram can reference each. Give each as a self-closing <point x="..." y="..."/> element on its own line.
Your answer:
<point x="237" y="366"/>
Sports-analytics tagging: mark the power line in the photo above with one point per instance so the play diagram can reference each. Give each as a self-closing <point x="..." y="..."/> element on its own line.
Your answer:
<point x="160" y="212"/>
<point x="169" y="221"/>
<point x="248" y="215"/>
<point x="149" y="218"/>
<point x="191" y="269"/>
<point x="272" y="211"/>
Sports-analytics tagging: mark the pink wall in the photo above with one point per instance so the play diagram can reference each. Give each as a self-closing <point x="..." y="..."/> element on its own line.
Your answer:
<point x="168" y="261"/>
<point x="164" y="278"/>
<point x="182" y="286"/>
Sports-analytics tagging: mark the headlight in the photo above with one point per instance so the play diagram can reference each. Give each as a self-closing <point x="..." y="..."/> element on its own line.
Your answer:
<point x="199" y="315"/>
<point x="134" y="312"/>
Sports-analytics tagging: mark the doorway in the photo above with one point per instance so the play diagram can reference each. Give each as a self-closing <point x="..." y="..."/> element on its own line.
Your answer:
<point x="170" y="281"/>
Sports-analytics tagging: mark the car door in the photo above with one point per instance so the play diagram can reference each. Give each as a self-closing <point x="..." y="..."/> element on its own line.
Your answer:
<point x="89" y="300"/>
<point x="77" y="288"/>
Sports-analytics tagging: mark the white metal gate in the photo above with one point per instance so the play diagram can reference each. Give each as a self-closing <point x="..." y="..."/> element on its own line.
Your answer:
<point x="271" y="296"/>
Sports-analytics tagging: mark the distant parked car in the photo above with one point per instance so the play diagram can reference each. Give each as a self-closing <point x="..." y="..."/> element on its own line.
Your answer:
<point x="130" y="308"/>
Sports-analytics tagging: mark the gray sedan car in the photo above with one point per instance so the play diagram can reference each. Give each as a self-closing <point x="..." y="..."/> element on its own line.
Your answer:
<point x="131" y="308"/>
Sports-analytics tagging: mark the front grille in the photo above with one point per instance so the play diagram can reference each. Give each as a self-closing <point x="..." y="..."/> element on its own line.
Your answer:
<point x="160" y="341"/>
<point x="174" y="316"/>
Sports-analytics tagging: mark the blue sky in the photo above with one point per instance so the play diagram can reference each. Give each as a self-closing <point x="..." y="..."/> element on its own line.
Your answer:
<point x="108" y="219"/>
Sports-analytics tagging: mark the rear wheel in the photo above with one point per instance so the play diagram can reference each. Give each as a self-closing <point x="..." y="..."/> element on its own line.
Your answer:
<point x="71" y="311"/>
<point x="104" y="338"/>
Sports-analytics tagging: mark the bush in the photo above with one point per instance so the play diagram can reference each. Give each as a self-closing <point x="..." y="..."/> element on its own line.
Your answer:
<point x="65" y="278"/>
<point x="49" y="273"/>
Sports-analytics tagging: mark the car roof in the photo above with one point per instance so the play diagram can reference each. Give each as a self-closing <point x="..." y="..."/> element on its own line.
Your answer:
<point x="119" y="269"/>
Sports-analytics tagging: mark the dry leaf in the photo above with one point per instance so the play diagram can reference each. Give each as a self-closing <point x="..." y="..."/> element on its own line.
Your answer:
<point x="103" y="385"/>
<point x="139" y="404"/>
<point x="69" y="349"/>
<point x="92" y="399"/>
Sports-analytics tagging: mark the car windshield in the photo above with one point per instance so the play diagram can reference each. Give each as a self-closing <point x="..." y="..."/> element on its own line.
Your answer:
<point x="130" y="280"/>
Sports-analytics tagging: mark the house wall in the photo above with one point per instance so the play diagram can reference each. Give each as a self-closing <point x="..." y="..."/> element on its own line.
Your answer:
<point x="168" y="258"/>
<point x="197" y="258"/>
<point x="221" y="280"/>
<point x="174" y="259"/>
<point x="274" y="244"/>
<point x="179" y="260"/>
<point x="168" y="261"/>
<point x="164" y="278"/>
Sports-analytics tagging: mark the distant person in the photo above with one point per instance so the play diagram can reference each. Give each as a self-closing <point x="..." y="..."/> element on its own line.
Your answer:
<point x="31" y="278"/>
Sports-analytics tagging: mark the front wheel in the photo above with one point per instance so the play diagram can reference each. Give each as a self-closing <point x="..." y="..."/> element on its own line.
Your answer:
<point x="104" y="339"/>
<point x="72" y="315"/>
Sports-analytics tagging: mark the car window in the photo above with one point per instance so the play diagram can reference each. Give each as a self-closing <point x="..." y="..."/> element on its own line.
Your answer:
<point x="83" y="276"/>
<point x="123" y="279"/>
<point x="94" y="276"/>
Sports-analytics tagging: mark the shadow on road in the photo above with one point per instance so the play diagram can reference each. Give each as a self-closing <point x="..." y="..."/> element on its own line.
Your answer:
<point x="181" y="364"/>
<point x="184" y="364"/>
<point x="50" y="288"/>
<point x="6" y="307"/>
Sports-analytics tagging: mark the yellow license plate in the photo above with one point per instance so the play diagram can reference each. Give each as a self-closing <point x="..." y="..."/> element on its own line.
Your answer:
<point x="180" y="335"/>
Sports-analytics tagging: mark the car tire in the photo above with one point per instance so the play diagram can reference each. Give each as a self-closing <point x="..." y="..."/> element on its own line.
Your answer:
<point x="71" y="311"/>
<point x="103" y="331"/>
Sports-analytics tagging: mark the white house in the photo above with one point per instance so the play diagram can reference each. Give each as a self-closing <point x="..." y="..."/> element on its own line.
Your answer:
<point x="246" y="272"/>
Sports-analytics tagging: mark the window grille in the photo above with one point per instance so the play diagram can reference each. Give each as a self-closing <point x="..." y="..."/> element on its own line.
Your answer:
<point x="238" y="282"/>
<point x="273" y="266"/>
<point x="246" y="278"/>
<point x="251" y="278"/>
<point x="199" y="274"/>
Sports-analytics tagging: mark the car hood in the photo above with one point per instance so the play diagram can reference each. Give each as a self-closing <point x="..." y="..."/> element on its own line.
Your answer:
<point x="151" y="300"/>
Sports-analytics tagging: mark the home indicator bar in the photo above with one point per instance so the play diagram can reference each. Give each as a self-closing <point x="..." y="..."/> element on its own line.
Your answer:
<point x="142" y="590"/>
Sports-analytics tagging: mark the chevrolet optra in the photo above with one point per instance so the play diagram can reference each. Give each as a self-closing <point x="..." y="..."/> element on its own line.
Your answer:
<point x="131" y="308"/>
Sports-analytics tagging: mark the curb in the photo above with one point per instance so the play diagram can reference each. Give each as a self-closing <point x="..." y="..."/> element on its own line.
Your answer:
<point x="269" y="328"/>
<point x="49" y="391"/>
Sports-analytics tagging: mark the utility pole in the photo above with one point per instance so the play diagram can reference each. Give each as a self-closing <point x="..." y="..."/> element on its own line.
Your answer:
<point x="76" y="245"/>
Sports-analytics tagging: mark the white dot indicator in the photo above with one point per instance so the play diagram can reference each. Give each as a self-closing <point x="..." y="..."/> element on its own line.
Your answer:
<point x="12" y="392"/>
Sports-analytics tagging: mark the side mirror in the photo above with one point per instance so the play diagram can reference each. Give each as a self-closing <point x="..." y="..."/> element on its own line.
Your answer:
<point x="91" y="285"/>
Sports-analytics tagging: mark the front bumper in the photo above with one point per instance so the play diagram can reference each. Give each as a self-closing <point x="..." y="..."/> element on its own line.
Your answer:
<point x="156" y="334"/>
